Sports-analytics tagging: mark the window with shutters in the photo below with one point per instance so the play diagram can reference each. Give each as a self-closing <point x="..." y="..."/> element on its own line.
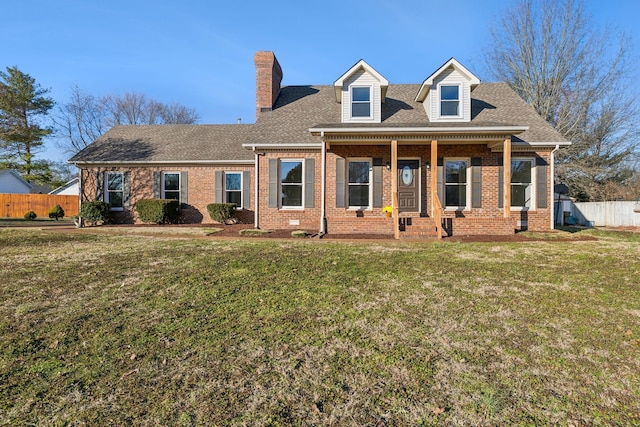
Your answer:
<point x="359" y="174"/>
<point x="456" y="183"/>
<point x="171" y="185"/>
<point x="522" y="183"/>
<point x="291" y="183"/>
<point x="233" y="188"/>
<point x="114" y="190"/>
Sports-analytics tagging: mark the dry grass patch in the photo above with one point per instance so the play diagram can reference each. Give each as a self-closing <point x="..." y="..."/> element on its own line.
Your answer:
<point x="110" y="329"/>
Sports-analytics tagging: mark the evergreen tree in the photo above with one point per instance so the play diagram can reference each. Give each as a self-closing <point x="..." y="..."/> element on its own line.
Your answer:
<point x="23" y="104"/>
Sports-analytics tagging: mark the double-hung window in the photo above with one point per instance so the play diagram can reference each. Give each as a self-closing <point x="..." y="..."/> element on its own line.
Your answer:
<point x="361" y="102"/>
<point x="114" y="191"/>
<point x="449" y="100"/>
<point x="171" y="185"/>
<point x="233" y="188"/>
<point x="291" y="184"/>
<point x="359" y="183"/>
<point x="456" y="183"/>
<point x="522" y="183"/>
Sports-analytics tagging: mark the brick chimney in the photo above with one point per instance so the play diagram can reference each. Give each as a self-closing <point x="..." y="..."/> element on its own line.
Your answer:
<point x="268" y="78"/>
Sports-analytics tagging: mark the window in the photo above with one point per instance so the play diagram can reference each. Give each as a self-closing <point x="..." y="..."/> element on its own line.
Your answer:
<point x="291" y="183"/>
<point x="521" y="183"/>
<point x="233" y="188"/>
<point x="360" y="102"/>
<point x="456" y="183"/>
<point x="114" y="193"/>
<point x="359" y="178"/>
<point x="171" y="185"/>
<point x="450" y="100"/>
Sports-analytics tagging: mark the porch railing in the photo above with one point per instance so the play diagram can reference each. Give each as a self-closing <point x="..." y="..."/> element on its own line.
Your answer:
<point x="437" y="215"/>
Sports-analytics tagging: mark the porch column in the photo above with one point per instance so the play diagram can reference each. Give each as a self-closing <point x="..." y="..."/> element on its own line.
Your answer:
<point x="506" y="178"/>
<point x="394" y="187"/>
<point x="434" y="175"/>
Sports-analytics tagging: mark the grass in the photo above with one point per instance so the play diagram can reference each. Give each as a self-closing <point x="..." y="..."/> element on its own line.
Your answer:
<point x="99" y="329"/>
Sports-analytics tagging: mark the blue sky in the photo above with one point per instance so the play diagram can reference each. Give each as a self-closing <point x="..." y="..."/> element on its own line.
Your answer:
<point x="199" y="53"/>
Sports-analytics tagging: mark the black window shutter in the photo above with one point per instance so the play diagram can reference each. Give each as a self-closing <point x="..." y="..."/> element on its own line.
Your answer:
<point x="100" y="185"/>
<point x="157" y="185"/>
<point x="541" y="182"/>
<point x="377" y="182"/>
<point x="309" y="182"/>
<point x="476" y="182"/>
<point x="126" y="189"/>
<point x="246" y="189"/>
<point x="273" y="183"/>
<point x="184" y="185"/>
<point x="217" y="198"/>
<point x="500" y="183"/>
<point x="340" y="183"/>
<point x="440" y="180"/>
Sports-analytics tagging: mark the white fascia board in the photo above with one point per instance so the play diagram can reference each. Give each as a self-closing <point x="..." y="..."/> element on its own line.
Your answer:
<point x="384" y="83"/>
<point x="427" y="130"/>
<point x="288" y="146"/>
<point x="424" y="88"/>
<point x="167" y="162"/>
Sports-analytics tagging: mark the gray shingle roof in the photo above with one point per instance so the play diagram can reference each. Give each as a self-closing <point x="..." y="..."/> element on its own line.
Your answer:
<point x="168" y="143"/>
<point x="297" y="109"/>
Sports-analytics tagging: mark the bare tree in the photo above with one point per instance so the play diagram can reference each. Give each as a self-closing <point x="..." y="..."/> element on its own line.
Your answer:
<point x="85" y="117"/>
<point x="577" y="79"/>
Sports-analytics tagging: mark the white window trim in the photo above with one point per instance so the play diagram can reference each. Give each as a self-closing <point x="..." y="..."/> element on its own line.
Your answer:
<point x="303" y="184"/>
<point x="466" y="207"/>
<point x="370" y="184"/>
<point x="106" y="190"/>
<point x="534" y="183"/>
<point x="179" y="185"/>
<point x="224" y="188"/>
<point x="351" y="102"/>
<point x="460" y="102"/>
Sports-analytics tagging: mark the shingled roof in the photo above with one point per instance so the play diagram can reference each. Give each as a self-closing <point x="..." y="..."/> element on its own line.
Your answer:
<point x="297" y="109"/>
<point x="168" y="144"/>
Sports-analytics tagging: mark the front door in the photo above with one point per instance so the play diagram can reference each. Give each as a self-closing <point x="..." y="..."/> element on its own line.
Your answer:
<point x="408" y="186"/>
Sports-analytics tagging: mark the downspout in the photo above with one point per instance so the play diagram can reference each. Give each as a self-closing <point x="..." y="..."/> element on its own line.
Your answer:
<point x="552" y="160"/>
<point x="256" y="192"/>
<point x="323" y="162"/>
<point x="78" y="222"/>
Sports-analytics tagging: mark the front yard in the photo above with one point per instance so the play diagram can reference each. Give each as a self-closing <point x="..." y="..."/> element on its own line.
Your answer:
<point x="112" y="329"/>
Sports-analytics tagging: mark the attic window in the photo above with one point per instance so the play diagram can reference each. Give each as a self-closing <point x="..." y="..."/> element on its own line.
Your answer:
<point x="450" y="101"/>
<point x="360" y="102"/>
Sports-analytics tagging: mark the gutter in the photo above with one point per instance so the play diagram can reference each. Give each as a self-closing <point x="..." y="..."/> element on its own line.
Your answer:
<point x="425" y="129"/>
<point x="256" y="192"/>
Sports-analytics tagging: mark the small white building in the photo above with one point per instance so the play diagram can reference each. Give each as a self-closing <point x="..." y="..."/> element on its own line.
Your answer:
<point x="71" y="188"/>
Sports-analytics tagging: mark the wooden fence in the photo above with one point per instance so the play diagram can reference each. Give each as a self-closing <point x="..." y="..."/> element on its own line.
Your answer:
<point x="16" y="205"/>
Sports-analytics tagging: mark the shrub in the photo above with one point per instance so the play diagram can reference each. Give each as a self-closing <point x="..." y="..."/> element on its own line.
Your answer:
<point x="221" y="212"/>
<point x="56" y="212"/>
<point x="158" y="211"/>
<point x="30" y="216"/>
<point x="95" y="211"/>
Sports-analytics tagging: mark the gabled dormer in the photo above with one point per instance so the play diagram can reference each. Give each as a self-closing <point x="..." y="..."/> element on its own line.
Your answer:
<point x="361" y="91"/>
<point x="446" y="94"/>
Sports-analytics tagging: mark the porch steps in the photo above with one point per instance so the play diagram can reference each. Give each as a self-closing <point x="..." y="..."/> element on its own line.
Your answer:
<point x="417" y="228"/>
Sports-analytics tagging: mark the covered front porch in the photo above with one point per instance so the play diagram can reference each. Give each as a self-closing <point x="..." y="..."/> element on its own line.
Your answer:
<point x="415" y="181"/>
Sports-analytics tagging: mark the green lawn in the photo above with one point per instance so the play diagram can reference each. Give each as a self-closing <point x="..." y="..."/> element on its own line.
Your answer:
<point x="100" y="329"/>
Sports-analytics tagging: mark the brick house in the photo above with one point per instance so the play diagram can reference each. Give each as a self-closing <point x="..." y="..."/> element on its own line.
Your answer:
<point x="332" y="158"/>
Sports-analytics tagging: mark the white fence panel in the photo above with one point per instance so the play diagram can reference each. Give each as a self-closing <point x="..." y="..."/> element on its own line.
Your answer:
<point x="607" y="214"/>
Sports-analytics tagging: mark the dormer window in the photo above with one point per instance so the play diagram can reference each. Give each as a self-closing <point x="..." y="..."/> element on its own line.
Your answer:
<point x="450" y="101"/>
<point x="361" y="102"/>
